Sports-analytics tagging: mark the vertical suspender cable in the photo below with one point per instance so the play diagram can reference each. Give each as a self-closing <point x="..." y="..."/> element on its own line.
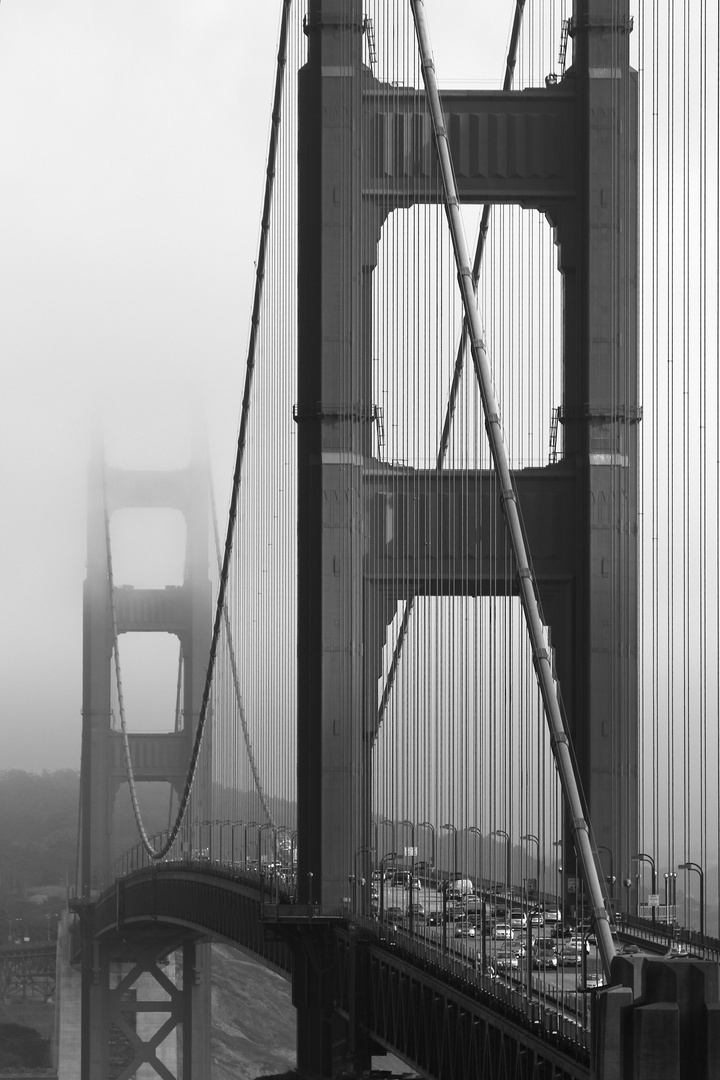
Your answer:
<point x="239" y="703"/>
<point x="526" y="584"/>
<point x="459" y="365"/>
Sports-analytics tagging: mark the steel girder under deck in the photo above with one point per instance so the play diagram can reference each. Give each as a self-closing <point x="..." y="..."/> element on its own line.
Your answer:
<point x="449" y="1028"/>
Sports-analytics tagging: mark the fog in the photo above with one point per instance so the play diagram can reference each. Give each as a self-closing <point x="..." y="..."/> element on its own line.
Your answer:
<point x="133" y="144"/>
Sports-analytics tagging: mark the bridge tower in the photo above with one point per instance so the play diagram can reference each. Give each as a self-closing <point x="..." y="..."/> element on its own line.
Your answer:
<point x="585" y="549"/>
<point x="135" y="962"/>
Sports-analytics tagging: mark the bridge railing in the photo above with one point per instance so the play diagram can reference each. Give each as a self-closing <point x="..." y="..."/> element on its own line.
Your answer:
<point x="675" y="938"/>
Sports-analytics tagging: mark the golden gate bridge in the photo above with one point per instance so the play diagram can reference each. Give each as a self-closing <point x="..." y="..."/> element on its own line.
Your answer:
<point x="462" y="620"/>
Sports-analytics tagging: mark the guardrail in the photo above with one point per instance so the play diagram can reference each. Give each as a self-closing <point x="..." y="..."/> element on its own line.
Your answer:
<point x="698" y="945"/>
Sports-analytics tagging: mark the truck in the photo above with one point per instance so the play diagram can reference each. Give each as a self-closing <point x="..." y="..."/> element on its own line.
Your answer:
<point x="460" y="888"/>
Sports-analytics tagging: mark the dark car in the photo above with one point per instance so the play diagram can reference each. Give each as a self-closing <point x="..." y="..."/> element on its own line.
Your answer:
<point x="569" y="956"/>
<point x="544" y="954"/>
<point x="394" y="915"/>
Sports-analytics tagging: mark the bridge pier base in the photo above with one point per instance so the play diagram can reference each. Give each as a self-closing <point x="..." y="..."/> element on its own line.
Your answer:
<point x="142" y="1010"/>
<point x="331" y="1041"/>
<point x="659" y="1021"/>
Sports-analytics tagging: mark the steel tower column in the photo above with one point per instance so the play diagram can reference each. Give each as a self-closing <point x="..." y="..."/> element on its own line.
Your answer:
<point x="600" y="413"/>
<point x="334" y="416"/>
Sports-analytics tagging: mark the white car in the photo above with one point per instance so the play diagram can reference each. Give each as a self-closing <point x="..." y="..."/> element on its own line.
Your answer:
<point x="464" y="930"/>
<point x="502" y="930"/>
<point x="593" y="981"/>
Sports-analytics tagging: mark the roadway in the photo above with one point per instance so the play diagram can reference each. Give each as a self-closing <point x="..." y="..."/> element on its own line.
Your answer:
<point x="546" y="981"/>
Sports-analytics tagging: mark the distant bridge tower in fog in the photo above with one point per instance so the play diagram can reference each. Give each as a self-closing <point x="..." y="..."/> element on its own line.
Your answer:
<point x="184" y="611"/>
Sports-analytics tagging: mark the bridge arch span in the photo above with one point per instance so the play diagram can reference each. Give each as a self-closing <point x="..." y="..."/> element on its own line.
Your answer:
<point x="206" y="903"/>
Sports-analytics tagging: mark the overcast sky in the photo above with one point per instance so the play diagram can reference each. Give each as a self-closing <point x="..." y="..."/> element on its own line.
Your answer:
<point x="133" y="137"/>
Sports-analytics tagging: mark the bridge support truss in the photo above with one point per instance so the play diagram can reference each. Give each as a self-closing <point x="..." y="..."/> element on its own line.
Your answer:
<point x="145" y="1004"/>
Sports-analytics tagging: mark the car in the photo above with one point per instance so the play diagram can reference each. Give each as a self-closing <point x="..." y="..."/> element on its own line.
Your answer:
<point x="518" y="920"/>
<point x="552" y="915"/>
<point x="464" y="929"/>
<point x="592" y="981"/>
<point x="561" y="932"/>
<point x="537" y="918"/>
<point x="545" y="960"/>
<point x="569" y="956"/>
<point x="675" y="952"/>
<point x="579" y="942"/>
<point x="502" y="930"/>
<point x="434" y="918"/>
<point x="544" y="953"/>
<point x="504" y="961"/>
<point x="628" y="949"/>
<point x="416" y="910"/>
<point x="394" y="915"/>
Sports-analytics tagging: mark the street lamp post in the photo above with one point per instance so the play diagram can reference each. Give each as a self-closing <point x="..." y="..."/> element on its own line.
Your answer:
<point x="431" y="827"/>
<point x="232" y="840"/>
<point x="411" y="825"/>
<point x="448" y="825"/>
<point x="698" y="870"/>
<point x="477" y="877"/>
<point x="363" y="877"/>
<point x="389" y="856"/>
<point x="560" y="903"/>
<point x="293" y="860"/>
<point x="387" y="821"/>
<point x="286" y="831"/>
<point x="642" y="857"/>
<point x="670" y="897"/>
<point x="249" y="825"/>
<point x="265" y="825"/>
<point x="508" y="863"/>
<point x="627" y="882"/>
<point x="533" y="839"/>
<point x="222" y="825"/>
<point x="601" y="847"/>
<point x="611" y="881"/>
<point x="446" y="886"/>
